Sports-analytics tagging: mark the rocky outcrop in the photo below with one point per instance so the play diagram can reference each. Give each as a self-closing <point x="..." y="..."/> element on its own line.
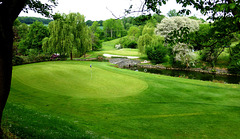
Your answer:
<point x="124" y="62"/>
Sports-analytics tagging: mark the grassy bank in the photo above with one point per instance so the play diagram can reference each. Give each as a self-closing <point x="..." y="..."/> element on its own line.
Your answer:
<point x="68" y="99"/>
<point x="108" y="48"/>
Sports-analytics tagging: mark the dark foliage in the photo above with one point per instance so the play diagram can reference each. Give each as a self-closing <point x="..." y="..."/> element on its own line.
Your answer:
<point x="30" y="20"/>
<point x="157" y="54"/>
<point x="128" y="42"/>
<point x="234" y="66"/>
<point x="17" y="60"/>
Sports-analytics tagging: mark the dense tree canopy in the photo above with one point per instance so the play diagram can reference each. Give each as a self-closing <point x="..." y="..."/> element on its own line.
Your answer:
<point x="113" y="28"/>
<point x="37" y="32"/>
<point x="67" y="33"/>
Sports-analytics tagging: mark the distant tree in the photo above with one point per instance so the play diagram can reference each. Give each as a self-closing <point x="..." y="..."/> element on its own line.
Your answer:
<point x="94" y="26"/>
<point x="66" y="33"/>
<point x="134" y="31"/>
<point x="37" y="32"/>
<point x="95" y="35"/>
<point x="89" y="23"/>
<point x="96" y="42"/>
<point x="100" y="23"/>
<point x="108" y="27"/>
<point x="30" y="20"/>
<point x="142" y="20"/>
<point x="128" y="22"/>
<point x="113" y="28"/>
<point x="196" y="18"/>
<point x="23" y="30"/>
<point x="158" y="18"/>
<point x="20" y="31"/>
<point x="173" y="13"/>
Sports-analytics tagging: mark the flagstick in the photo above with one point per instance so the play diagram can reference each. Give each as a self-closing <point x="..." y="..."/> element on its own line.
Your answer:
<point x="91" y="70"/>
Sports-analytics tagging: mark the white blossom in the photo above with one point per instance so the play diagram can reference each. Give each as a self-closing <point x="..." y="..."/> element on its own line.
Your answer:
<point x="184" y="54"/>
<point x="168" y="25"/>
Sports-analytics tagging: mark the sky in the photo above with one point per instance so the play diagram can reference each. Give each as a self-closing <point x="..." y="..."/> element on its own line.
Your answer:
<point x="96" y="10"/>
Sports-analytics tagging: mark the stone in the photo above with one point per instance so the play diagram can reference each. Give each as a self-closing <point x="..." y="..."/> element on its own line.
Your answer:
<point x="123" y="62"/>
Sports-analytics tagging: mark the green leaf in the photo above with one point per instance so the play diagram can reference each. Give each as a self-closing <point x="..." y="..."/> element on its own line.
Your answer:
<point x="232" y="5"/>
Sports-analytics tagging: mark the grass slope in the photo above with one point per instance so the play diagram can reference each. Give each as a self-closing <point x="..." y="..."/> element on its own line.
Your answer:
<point x="108" y="48"/>
<point x="60" y="99"/>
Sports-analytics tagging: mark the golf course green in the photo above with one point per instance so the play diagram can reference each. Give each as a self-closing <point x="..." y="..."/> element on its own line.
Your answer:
<point x="70" y="99"/>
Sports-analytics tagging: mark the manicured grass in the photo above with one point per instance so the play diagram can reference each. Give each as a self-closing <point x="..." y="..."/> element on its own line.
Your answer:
<point x="108" y="48"/>
<point x="60" y="99"/>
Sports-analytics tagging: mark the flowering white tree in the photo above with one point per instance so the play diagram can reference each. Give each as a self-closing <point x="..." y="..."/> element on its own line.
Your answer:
<point x="168" y="25"/>
<point x="184" y="54"/>
<point x="175" y="30"/>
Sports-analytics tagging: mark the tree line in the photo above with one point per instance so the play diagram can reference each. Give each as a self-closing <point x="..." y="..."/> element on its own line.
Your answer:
<point x="31" y="20"/>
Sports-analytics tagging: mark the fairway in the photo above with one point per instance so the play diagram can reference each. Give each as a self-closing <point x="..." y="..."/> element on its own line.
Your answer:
<point x="68" y="99"/>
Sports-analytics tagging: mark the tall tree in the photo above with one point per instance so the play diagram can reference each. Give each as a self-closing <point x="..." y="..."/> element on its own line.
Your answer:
<point x="37" y="32"/>
<point x="9" y="11"/>
<point x="146" y="39"/>
<point x="113" y="28"/>
<point x="210" y="41"/>
<point x="66" y="33"/>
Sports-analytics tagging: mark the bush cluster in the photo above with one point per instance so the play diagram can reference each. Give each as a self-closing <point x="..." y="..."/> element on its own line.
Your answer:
<point x="128" y="42"/>
<point x="234" y="66"/>
<point x="157" y="54"/>
<point x="20" y="60"/>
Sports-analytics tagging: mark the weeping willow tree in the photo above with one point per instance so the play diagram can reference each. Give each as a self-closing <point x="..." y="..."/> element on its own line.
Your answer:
<point x="68" y="32"/>
<point x="145" y="40"/>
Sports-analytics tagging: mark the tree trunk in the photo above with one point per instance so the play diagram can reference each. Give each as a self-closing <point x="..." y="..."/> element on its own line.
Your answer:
<point x="9" y="11"/>
<point x="6" y="43"/>
<point x="71" y="56"/>
<point x="111" y="33"/>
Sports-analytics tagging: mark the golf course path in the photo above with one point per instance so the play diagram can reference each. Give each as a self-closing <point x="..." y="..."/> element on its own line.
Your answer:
<point x="130" y="57"/>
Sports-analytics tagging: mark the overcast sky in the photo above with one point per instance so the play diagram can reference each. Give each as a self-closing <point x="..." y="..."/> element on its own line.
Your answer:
<point x="100" y="9"/>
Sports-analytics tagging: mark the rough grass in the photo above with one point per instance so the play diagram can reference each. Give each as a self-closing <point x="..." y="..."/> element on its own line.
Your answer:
<point x="145" y="106"/>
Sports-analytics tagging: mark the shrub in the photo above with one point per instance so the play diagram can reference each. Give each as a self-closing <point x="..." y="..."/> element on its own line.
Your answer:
<point x="41" y="58"/>
<point x="134" y="31"/>
<point x="100" y="57"/>
<point x="157" y="54"/>
<point x="128" y="42"/>
<point x="234" y="66"/>
<point x="17" y="61"/>
<point x="96" y="43"/>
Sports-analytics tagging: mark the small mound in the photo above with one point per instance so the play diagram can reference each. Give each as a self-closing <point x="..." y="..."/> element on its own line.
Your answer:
<point x="78" y="80"/>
